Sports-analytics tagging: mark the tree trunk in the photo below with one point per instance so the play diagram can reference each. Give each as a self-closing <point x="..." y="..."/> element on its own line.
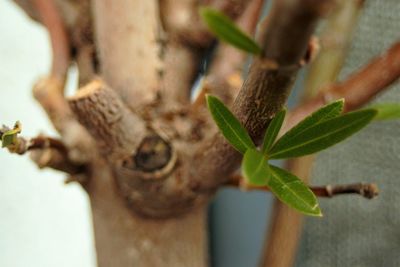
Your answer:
<point x="123" y="239"/>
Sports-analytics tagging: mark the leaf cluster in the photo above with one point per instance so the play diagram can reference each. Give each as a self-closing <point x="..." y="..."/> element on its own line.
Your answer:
<point x="320" y="130"/>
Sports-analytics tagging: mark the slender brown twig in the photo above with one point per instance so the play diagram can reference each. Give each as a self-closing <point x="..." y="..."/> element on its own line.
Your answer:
<point x="51" y="18"/>
<point x="367" y="190"/>
<point x="47" y="152"/>
<point x="49" y="91"/>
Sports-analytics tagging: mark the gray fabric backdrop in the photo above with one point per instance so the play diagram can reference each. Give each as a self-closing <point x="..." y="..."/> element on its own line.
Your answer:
<point x="357" y="232"/>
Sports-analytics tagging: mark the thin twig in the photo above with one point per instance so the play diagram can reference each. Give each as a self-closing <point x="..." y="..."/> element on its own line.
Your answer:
<point x="367" y="190"/>
<point x="45" y="142"/>
<point x="22" y="145"/>
<point x="51" y="18"/>
<point x="47" y="152"/>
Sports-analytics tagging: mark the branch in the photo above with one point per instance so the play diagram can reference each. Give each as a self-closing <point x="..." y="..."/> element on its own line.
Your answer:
<point x="56" y="158"/>
<point x="357" y="90"/>
<point x="335" y="41"/>
<point x="48" y="93"/>
<point x="100" y="110"/>
<point x="45" y="151"/>
<point x="366" y="190"/>
<point x="181" y="68"/>
<point x="186" y="40"/>
<point x="226" y="70"/>
<point x="128" y="48"/>
<point x="284" y="41"/>
<point x="41" y="142"/>
<point x="51" y="19"/>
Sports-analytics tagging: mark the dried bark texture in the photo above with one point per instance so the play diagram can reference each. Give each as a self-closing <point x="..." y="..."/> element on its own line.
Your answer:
<point x="116" y="129"/>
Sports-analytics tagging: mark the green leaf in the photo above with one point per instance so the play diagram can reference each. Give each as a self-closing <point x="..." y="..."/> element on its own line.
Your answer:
<point x="293" y="192"/>
<point x="273" y="130"/>
<point x="327" y="112"/>
<point x="322" y="135"/>
<point x="227" y="31"/>
<point x="255" y="167"/>
<point x="387" y="111"/>
<point x="229" y="126"/>
<point x="10" y="137"/>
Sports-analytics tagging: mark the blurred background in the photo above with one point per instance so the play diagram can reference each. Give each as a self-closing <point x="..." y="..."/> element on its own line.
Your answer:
<point x="45" y="223"/>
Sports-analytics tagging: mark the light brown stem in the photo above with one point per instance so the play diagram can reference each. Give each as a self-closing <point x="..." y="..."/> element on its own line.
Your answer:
<point x="24" y="145"/>
<point x="358" y="89"/>
<point x="51" y="19"/>
<point x="284" y="42"/>
<point x="126" y="33"/>
<point x="181" y="67"/>
<point x="48" y="93"/>
<point x="335" y="41"/>
<point x="56" y="159"/>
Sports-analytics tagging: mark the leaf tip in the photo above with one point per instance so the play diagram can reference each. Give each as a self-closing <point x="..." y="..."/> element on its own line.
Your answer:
<point x="318" y="213"/>
<point x="210" y="99"/>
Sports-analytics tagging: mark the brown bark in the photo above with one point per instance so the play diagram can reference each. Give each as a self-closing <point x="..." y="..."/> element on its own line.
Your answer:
<point x="117" y="130"/>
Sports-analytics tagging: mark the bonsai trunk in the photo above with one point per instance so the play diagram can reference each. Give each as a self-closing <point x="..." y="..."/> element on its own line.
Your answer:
<point x="152" y="160"/>
<point x="123" y="239"/>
